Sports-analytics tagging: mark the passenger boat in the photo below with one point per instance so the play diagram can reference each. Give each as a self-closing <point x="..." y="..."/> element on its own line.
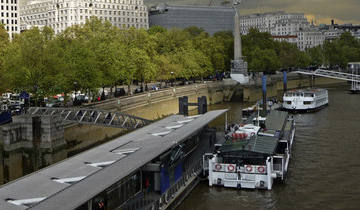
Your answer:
<point x="254" y="154"/>
<point x="305" y="100"/>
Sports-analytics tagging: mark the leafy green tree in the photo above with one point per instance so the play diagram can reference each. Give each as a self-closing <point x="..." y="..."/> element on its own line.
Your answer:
<point x="316" y="55"/>
<point x="4" y="42"/>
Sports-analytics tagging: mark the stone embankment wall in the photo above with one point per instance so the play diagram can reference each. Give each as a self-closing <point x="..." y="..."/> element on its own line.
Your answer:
<point x="149" y="105"/>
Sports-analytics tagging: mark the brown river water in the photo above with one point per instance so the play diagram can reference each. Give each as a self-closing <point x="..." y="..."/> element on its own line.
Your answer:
<point x="324" y="171"/>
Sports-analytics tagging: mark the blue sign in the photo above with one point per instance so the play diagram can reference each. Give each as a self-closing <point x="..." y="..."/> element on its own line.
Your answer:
<point x="285" y="77"/>
<point x="264" y="83"/>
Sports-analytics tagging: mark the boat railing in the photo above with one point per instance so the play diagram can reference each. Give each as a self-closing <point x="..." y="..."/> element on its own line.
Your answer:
<point x="277" y="167"/>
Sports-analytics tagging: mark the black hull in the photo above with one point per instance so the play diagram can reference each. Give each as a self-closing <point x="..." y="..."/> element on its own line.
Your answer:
<point x="354" y="91"/>
<point x="295" y="111"/>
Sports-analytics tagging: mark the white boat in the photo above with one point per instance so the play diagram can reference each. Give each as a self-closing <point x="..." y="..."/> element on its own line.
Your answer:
<point x="305" y="99"/>
<point x="253" y="155"/>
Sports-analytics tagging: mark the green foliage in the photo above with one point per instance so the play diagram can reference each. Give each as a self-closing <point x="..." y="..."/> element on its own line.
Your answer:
<point x="97" y="54"/>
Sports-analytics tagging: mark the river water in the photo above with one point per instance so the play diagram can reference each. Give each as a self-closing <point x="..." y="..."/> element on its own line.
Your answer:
<point x="324" y="171"/>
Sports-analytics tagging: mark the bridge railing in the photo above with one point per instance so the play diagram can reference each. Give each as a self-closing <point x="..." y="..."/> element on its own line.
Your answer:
<point x="332" y="74"/>
<point x="92" y="117"/>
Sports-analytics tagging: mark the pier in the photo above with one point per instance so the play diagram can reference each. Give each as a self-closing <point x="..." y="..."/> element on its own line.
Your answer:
<point x="148" y="168"/>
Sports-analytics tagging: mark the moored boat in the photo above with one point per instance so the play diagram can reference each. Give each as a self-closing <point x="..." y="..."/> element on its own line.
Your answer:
<point x="253" y="155"/>
<point x="305" y="99"/>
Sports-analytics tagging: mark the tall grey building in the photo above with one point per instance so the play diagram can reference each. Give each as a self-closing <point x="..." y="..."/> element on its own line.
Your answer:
<point x="211" y="19"/>
<point x="9" y="16"/>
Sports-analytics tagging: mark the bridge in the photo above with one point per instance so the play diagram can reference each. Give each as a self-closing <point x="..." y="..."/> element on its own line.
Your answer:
<point x="331" y="74"/>
<point x="92" y="117"/>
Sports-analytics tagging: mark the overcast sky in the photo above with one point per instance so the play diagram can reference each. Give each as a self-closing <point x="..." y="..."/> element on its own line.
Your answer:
<point x="322" y="11"/>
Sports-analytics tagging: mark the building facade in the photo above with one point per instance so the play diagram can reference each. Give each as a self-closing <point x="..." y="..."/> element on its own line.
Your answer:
<point x="211" y="19"/>
<point x="9" y="16"/>
<point x="309" y="38"/>
<point x="289" y="27"/>
<point x="60" y="14"/>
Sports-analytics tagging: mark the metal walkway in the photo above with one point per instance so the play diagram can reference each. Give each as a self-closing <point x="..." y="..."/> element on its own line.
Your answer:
<point x="332" y="74"/>
<point x="92" y="117"/>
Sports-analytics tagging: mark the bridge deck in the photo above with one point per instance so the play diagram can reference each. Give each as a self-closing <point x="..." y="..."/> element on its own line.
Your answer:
<point x="145" y="144"/>
<point x="92" y="117"/>
<point x="332" y="75"/>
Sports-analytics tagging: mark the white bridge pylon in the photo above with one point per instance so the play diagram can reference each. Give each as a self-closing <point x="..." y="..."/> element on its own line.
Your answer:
<point x="332" y="75"/>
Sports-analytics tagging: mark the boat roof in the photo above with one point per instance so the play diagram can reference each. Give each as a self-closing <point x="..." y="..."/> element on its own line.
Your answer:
<point x="309" y="90"/>
<point x="124" y="156"/>
<point x="275" y="120"/>
<point x="258" y="144"/>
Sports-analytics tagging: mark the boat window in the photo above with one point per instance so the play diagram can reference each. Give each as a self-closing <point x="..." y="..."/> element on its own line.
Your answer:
<point x="309" y="95"/>
<point x="302" y="94"/>
<point x="297" y="94"/>
<point x="307" y="102"/>
<point x="288" y="102"/>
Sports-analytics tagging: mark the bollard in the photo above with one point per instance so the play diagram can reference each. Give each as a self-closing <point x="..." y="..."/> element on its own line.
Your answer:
<point x="285" y="81"/>
<point x="264" y="95"/>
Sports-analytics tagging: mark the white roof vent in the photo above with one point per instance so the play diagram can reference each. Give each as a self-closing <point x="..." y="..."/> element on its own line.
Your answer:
<point x="101" y="164"/>
<point x="185" y="121"/>
<point x="162" y="133"/>
<point x="174" y="126"/>
<point x="70" y="180"/>
<point x="125" y="151"/>
<point x="25" y="202"/>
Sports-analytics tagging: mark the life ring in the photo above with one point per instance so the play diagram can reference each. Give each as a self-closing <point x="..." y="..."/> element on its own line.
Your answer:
<point x="231" y="167"/>
<point x="218" y="167"/>
<point x="252" y="134"/>
<point x="261" y="169"/>
<point x="249" y="168"/>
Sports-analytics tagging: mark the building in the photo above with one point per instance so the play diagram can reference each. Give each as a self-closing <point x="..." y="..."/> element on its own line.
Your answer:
<point x="289" y="27"/>
<point x="309" y="38"/>
<point x="9" y="16"/>
<point x="211" y="19"/>
<point x="60" y="14"/>
<point x="276" y="23"/>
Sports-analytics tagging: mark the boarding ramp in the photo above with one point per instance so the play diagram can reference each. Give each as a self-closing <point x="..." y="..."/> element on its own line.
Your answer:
<point x="92" y="117"/>
<point x="331" y="74"/>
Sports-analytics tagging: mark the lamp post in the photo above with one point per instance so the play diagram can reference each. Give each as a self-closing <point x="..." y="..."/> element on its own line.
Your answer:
<point x="172" y="78"/>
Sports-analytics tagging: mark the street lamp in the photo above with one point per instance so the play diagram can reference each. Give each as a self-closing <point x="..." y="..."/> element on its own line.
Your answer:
<point x="172" y="79"/>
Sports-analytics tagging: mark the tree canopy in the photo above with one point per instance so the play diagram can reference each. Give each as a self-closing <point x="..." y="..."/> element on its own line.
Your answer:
<point x="97" y="54"/>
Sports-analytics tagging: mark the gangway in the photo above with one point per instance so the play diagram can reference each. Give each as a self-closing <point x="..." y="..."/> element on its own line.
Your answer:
<point x="332" y="75"/>
<point x="92" y="117"/>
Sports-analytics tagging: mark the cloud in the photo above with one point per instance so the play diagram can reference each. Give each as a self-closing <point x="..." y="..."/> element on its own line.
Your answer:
<point x="322" y="11"/>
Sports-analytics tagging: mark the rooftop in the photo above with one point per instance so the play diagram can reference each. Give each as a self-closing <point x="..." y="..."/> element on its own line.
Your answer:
<point x="89" y="173"/>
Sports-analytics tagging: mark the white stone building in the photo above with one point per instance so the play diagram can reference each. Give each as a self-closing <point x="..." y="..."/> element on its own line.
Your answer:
<point x="60" y="14"/>
<point x="290" y="27"/>
<point x="276" y="23"/>
<point x="9" y="16"/>
<point x="309" y="38"/>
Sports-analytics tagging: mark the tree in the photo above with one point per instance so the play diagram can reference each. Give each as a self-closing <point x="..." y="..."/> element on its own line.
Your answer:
<point x="4" y="42"/>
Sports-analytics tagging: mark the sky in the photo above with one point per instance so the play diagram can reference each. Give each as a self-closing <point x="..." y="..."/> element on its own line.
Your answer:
<point x="320" y="11"/>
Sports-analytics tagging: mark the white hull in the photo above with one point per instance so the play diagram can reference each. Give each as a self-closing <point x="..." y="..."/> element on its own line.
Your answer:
<point x="251" y="176"/>
<point x="303" y="100"/>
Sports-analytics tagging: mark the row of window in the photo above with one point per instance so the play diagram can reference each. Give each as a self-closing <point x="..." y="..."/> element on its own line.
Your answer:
<point x="9" y="1"/>
<point x="3" y="14"/>
<point x="13" y="28"/>
<point x="12" y="8"/>
<point x="44" y="22"/>
<point x="8" y="21"/>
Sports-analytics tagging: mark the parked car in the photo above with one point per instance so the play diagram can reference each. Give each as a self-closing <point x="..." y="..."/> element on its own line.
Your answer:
<point x="119" y="92"/>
